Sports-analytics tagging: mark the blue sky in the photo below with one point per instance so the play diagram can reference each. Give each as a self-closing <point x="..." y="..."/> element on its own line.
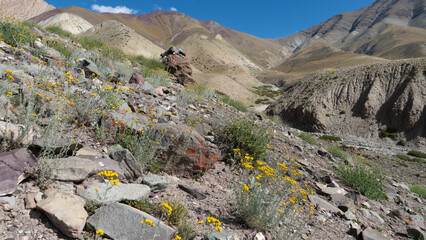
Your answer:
<point x="266" y="19"/>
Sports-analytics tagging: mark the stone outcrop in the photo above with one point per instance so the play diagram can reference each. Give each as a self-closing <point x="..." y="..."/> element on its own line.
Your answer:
<point x="178" y="65"/>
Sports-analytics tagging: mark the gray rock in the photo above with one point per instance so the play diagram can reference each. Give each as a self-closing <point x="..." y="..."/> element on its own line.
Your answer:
<point x="14" y="166"/>
<point x="372" y="216"/>
<point x="56" y="145"/>
<point x="65" y="210"/>
<point x="333" y="191"/>
<point x="156" y="183"/>
<point x="126" y="161"/>
<point x="349" y="215"/>
<point x="371" y="234"/>
<point x="209" y="138"/>
<point x="354" y="229"/>
<point x="259" y="236"/>
<point x="137" y="79"/>
<point x="9" y="200"/>
<point x="88" y="66"/>
<point x="16" y="133"/>
<point x="321" y="203"/>
<point x="123" y="222"/>
<point x="148" y="88"/>
<point x="215" y="235"/>
<point x="109" y="193"/>
<point x="418" y="221"/>
<point x="342" y="202"/>
<point x="416" y="233"/>
<point x="73" y="169"/>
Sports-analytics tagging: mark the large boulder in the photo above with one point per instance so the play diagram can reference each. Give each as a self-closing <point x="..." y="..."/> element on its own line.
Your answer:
<point x="187" y="149"/>
<point x="65" y="210"/>
<point x="120" y="221"/>
<point x="132" y="168"/>
<point x="14" y="168"/>
<point x="178" y="65"/>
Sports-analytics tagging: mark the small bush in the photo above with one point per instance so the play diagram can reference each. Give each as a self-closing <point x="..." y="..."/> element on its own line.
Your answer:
<point x="419" y="189"/>
<point x="408" y="159"/>
<point x="244" y="135"/>
<point x="417" y="154"/>
<point x="390" y="133"/>
<point x="308" y="138"/>
<point x="330" y="138"/>
<point x="328" y="114"/>
<point x="360" y="177"/>
<point x="58" y="30"/>
<point x="337" y="152"/>
<point x="342" y="112"/>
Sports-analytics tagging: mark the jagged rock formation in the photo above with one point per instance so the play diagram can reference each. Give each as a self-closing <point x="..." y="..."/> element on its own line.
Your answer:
<point x="359" y="101"/>
<point x="24" y="9"/>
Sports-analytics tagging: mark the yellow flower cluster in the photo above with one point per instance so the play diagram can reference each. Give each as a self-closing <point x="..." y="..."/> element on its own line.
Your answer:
<point x="100" y="232"/>
<point x="110" y="176"/>
<point x="149" y="221"/>
<point x="215" y="222"/>
<point x="168" y="208"/>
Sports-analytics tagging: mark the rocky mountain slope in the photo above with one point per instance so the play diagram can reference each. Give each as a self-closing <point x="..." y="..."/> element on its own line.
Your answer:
<point x="24" y="9"/>
<point x="360" y="101"/>
<point x="346" y="29"/>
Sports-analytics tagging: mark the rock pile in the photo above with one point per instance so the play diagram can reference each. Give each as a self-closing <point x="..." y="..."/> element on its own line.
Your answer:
<point x="178" y="65"/>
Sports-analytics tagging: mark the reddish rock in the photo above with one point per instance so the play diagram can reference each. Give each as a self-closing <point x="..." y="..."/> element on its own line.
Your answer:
<point x="14" y="168"/>
<point x="178" y="65"/>
<point x="137" y="79"/>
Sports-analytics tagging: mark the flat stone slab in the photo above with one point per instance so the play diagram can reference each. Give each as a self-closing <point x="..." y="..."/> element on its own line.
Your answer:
<point x="371" y="234"/>
<point x="317" y="201"/>
<point x="13" y="168"/>
<point x="107" y="193"/>
<point x="65" y="210"/>
<point x="120" y="221"/>
<point x="215" y="235"/>
<point x="73" y="169"/>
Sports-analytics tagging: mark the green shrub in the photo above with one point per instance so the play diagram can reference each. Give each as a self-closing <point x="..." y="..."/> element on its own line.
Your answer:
<point x="330" y="138"/>
<point x="360" y="177"/>
<point x="308" y="138"/>
<point x="417" y="154"/>
<point x="150" y="63"/>
<point x="58" y="30"/>
<point x="244" y="135"/>
<point x="418" y="189"/>
<point x="342" y="112"/>
<point x="337" y="152"/>
<point x="328" y="114"/>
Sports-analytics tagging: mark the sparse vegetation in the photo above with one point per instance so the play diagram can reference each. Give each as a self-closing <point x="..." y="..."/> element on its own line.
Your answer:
<point x="58" y="30"/>
<point x="228" y="100"/>
<point x="419" y="189"/>
<point x="150" y="63"/>
<point x="408" y="159"/>
<point x="308" y="138"/>
<point x="360" y="177"/>
<point x="417" y="154"/>
<point x="338" y="152"/>
<point x="331" y="138"/>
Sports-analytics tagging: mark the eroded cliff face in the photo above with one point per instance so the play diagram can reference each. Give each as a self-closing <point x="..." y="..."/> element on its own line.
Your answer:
<point x="359" y="101"/>
<point x="24" y="9"/>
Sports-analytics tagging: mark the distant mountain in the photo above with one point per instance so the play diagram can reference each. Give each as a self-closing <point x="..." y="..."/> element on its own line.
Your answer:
<point x="363" y="30"/>
<point x="24" y="9"/>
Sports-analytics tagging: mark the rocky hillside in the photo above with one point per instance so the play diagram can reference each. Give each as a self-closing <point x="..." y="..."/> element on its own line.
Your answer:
<point x="24" y="9"/>
<point x="95" y="146"/>
<point x="360" y="101"/>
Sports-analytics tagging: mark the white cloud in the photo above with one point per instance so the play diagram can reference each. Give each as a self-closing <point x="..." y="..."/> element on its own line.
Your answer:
<point x="156" y="7"/>
<point x="117" y="9"/>
<point x="173" y="9"/>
